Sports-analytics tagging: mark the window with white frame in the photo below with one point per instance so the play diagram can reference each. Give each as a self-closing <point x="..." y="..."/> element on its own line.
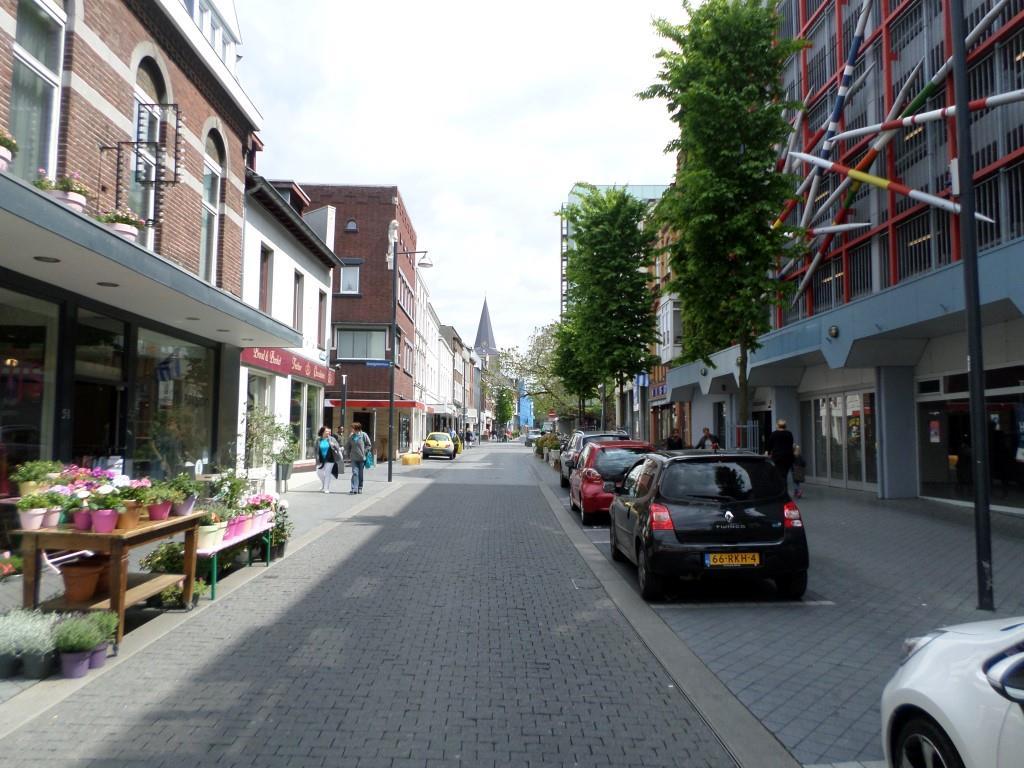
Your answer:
<point x="362" y="343"/>
<point x="213" y="174"/>
<point x="350" y="279"/>
<point x="35" y="89"/>
<point x="149" y="94"/>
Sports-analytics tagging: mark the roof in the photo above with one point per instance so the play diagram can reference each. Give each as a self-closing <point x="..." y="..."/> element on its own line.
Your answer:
<point x="604" y="444"/>
<point x="485" y="343"/>
<point x="270" y="198"/>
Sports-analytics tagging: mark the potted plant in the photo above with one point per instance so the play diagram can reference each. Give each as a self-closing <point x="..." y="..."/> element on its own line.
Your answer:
<point x="106" y="623"/>
<point x="189" y="489"/>
<point x="68" y="189"/>
<point x="33" y="475"/>
<point x="8" y="149"/>
<point x="212" y="526"/>
<point x="124" y="221"/>
<point x="159" y="498"/>
<point x="282" y="530"/>
<point x="11" y="629"/>
<point x="104" y="502"/>
<point x="10" y="565"/>
<point x="285" y="456"/>
<point x="31" y="511"/>
<point x="76" y="638"/>
<point x="132" y="496"/>
<point x="81" y="578"/>
<point x="37" y="644"/>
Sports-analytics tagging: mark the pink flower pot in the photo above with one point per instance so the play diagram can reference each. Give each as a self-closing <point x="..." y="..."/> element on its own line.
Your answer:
<point x="159" y="511"/>
<point x="98" y="656"/>
<point x="52" y="518"/>
<point x="31" y="519"/>
<point x="75" y="664"/>
<point x="246" y="525"/>
<point x="127" y="231"/>
<point x="72" y="200"/>
<point x="5" y="158"/>
<point x="83" y="520"/>
<point x="104" y="520"/>
<point x="232" y="530"/>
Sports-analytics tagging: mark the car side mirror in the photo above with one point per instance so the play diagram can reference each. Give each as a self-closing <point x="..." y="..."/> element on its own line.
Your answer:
<point x="1007" y="678"/>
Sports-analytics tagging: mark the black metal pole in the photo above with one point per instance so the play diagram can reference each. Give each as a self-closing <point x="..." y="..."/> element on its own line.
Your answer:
<point x="394" y="355"/>
<point x="975" y="362"/>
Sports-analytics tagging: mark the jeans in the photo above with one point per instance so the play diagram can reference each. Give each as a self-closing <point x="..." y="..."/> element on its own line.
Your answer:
<point x="325" y="473"/>
<point x="358" y="467"/>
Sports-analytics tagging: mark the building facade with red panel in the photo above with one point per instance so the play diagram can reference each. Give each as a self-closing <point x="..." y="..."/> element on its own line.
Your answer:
<point x="869" y="365"/>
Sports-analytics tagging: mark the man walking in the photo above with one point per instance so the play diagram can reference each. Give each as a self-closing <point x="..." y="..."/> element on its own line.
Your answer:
<point x="674" y="442"/>
<point x="708" y="440"/>
<point x="356" y="449"/>
<point x="780" y="448"/>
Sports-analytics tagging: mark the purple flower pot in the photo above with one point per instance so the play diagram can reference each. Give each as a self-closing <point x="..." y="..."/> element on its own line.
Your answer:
<point x="83" y="520"/>
<point x="104" y="520"/>
<point x="75" y="664"/>
<point x="98" y="656"/>
<point x="182" y="508"/>
<point x="159" y="511"/>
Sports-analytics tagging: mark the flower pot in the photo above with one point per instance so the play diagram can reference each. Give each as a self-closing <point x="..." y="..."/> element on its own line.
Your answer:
<point x="127" y="231"/>
<point x="211" y="535"/>
<point x="98" y="656"/>
<point x="5" y="158"/>
<point x="104" y="520"/>
<point x="246" y="526"/>
<point x="128" y="518"/>
<point x="277" y="550"/>
<point x="183" y="508"/>
<point x="37" y="666"/>
<point x="9" y="665"/>
<point x="72" y="200"/>
<point x="52" y="518"/>
<point x="282" y="471"/>
<point x="31" y="519"/>
<point x="74" y="664"/>
<point x="159" y="511"/>
<point x="83" y="520"/>
<point x="80" y="580"/>
<point x="28" y="487"/>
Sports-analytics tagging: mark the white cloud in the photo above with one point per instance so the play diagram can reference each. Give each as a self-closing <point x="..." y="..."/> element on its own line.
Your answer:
<point x="484" y="116"/>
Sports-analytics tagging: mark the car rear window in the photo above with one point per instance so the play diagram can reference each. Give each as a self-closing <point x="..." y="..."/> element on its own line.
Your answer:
<point x="613" y="463"/>
<point x="438" y="436"/>
<point x="744" y="479"/>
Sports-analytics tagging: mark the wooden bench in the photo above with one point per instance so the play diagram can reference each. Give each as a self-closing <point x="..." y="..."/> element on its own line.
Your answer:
<point x="263" y="531"/>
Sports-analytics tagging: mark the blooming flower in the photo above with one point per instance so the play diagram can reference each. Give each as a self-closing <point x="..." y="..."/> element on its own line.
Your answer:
<point x="104" y="489"/>
<point x="121" y="481"/>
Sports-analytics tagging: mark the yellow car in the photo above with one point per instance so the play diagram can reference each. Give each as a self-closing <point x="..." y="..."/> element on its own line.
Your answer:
<point x="438" y="444"/>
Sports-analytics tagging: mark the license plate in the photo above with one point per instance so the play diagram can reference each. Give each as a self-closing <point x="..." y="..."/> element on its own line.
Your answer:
<point x="733" y="559"/>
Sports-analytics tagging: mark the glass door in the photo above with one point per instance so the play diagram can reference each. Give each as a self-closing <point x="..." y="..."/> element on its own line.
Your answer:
<point x="836" y="473"/>
<point x="854" y="439"/>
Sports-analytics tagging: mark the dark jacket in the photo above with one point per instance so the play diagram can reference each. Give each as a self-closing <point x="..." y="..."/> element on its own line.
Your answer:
<point x="780" y="446"/>
<point x="333" y="454"/>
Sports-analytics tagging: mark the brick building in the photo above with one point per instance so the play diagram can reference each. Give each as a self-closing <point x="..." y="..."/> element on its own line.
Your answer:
<point x="361" y="311"/>
<point x="118" y="352"/>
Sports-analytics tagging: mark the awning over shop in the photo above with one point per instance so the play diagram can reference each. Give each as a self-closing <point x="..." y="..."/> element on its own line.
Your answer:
<point x="286" y="363"/>
<point x="93" y="261"/>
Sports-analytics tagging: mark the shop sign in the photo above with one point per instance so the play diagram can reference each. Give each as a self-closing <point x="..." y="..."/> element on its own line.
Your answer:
<point x="659" y="391"/>
<point x="287" y="364"/>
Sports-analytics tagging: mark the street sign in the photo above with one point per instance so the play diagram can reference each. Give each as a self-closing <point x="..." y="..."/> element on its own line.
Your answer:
<point x="378" y="363"/>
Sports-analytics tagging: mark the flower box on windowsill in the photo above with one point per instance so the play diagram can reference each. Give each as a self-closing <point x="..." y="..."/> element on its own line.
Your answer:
<point x="5" y="158"/>
<point x="72" y="200"/>
<point x="127" y="231"/>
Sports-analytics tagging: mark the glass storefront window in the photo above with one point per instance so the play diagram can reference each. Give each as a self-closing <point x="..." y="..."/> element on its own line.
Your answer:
<point x="854" y="437"/>
<point x="99" y="347"/>
<point x="304" y="416"/>
<point x="173" y="410"/>
<point x="28" y="374"/>
<point x="313" y="417"/>
<point x="870" y="452"/>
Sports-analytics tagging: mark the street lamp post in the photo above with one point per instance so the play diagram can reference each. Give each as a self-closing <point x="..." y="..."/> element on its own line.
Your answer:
<point x="424" y="262"/>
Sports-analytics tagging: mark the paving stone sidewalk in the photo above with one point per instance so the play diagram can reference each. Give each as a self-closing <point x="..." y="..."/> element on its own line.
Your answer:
<point x="444" y="626"/>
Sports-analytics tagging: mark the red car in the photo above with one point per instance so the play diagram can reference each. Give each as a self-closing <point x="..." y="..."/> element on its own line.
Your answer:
<point x="599" y="463"/>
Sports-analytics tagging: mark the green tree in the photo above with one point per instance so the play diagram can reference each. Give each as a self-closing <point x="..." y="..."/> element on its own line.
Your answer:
<point x="723" y="88"/>
<point x="571" y="367"/>
<point x="610" y="311"/>
<point x="504" y="407"/>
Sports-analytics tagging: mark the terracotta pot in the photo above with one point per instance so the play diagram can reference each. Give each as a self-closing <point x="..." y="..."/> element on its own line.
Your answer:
<point x="127" y="231"/>
<point x="128" y="518"/>
<point x="80" y="580"/>
<point x="5" y="158"/>
<point x="72" y="200"/>
<point x="104" y="520"/>
<point x="31" y="519"/>
<point x="159" y="511"/>
<point x="52" y="517"/>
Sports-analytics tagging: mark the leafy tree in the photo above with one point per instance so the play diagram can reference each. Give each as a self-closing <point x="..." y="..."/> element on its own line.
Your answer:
<point x="571" y="366"/>
<point x="504" y="406"/>
<point x="611" y="324"/>
<point x="723" y="88"/>
<point x="535" y="367"/>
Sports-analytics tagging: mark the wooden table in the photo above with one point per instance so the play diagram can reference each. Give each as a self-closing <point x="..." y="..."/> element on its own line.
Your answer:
<point x="124" y="589"/>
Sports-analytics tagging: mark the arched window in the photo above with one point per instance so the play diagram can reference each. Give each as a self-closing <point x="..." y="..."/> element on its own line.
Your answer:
<point x="150" y="93"/>
<point x="351" y="226"/>
<point x="213" y="175"/>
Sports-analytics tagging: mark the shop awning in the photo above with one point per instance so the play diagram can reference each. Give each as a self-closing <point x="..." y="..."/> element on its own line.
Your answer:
<point x="35" y="226"/>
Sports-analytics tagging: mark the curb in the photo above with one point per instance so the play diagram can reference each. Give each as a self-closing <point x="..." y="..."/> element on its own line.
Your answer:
<point x="742" y="735"/>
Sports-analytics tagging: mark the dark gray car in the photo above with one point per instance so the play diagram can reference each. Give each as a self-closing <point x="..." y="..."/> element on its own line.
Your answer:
<point x="571" y="453"/>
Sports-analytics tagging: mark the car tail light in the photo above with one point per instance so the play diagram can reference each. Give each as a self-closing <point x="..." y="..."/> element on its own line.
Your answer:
<point x="791" y="512"/>
<point x="591" y="475"/>
<point x="661" y="520"/>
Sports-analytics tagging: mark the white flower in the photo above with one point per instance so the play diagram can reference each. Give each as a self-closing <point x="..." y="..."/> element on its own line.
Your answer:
<point x="121" y="481"/>
<point x="104" y="489"/>
<point x="82" y="493"/>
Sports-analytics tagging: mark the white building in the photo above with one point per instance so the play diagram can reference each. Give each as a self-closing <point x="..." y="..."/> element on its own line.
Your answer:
<point x="444" y="412"/>
<point x="426" y="370"/>
<point x="286" y="273"/>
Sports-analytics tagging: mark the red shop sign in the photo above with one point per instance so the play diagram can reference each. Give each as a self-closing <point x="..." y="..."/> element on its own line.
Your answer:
<point x="287" y="363"/>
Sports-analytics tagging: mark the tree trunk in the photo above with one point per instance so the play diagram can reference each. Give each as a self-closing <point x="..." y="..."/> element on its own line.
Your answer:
<point x="743" y="396"/>
<point x="623" y="416"/>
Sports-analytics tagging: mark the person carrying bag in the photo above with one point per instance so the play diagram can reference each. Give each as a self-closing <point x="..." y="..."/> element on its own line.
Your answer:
<point x="359" y="452"/>
<point x="328" y="458"/>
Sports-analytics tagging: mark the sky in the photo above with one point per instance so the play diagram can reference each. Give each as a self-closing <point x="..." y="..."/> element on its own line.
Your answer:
<point x="484" y="115"/>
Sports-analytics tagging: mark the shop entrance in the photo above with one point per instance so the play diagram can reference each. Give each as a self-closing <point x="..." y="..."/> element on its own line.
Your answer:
<point x="838" y="439"/>
<point x="97" y="438"/>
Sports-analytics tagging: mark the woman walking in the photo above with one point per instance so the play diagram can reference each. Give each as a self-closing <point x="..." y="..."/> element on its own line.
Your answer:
<point x="328" y="458"/>
<point x="357" y="446"/>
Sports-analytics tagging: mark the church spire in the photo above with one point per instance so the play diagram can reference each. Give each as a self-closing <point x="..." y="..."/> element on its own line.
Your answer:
<point x="485" y="344"/>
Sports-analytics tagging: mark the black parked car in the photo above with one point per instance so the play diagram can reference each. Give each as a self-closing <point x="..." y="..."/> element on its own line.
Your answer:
<point x="704" y="514"/>
<point x="577" y="442"/>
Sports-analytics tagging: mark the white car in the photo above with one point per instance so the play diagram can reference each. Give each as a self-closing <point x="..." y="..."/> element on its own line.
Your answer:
<point x="957" y="700"/>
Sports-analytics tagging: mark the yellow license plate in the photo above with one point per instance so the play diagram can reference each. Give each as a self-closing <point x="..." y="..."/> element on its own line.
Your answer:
<point x="719" y="559"/>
